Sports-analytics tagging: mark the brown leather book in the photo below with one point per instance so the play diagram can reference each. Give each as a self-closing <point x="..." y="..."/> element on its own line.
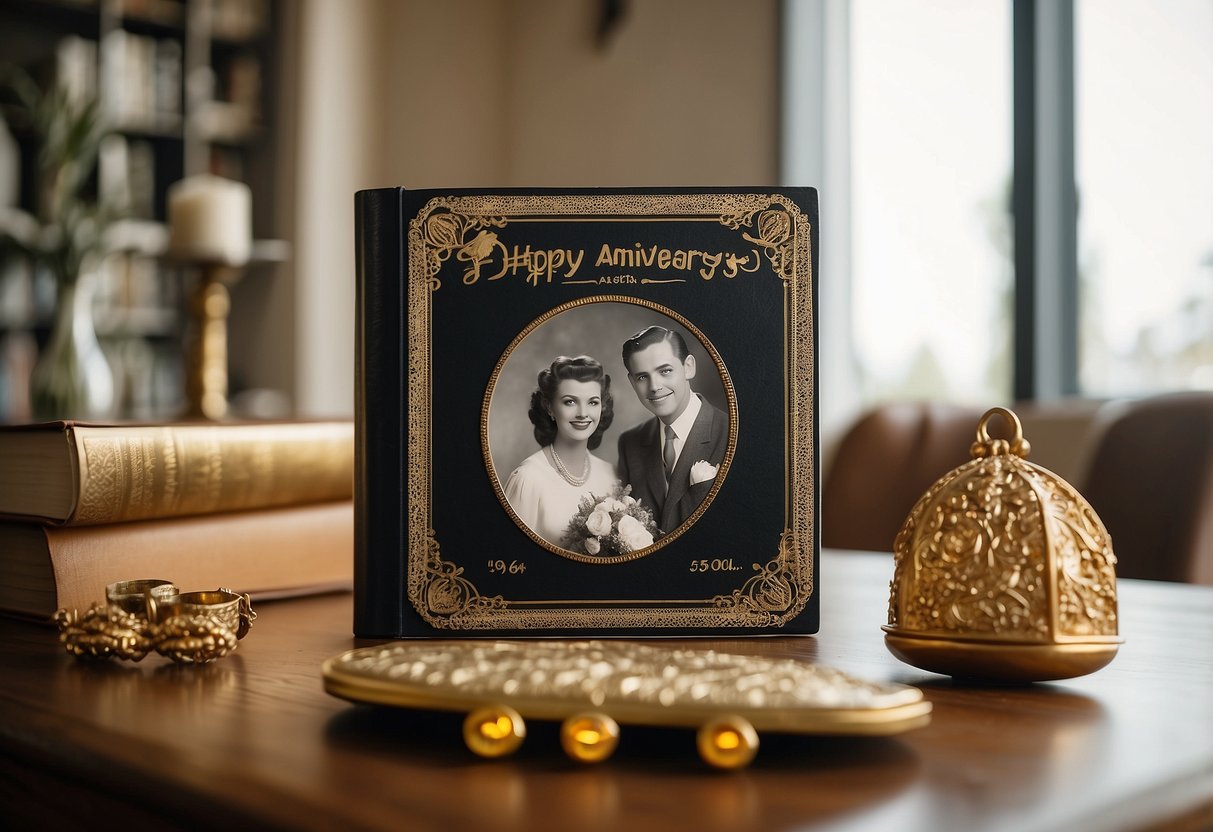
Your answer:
<point x="77" y="474"/>
<point x="269" y="553"/>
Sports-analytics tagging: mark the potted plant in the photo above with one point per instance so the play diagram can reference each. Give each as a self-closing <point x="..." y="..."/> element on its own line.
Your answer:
<point x="67" y="235"/>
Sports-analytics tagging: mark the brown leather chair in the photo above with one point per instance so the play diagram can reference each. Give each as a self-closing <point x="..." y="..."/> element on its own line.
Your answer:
<point x="887" y="460"/>
<point x="1151" y="482"/>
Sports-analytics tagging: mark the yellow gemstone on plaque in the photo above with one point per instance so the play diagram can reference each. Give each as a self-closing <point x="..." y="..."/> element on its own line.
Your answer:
<point x="589" y="738"/>
<point x="495" y="731"/>
<point x="728" y="742"/>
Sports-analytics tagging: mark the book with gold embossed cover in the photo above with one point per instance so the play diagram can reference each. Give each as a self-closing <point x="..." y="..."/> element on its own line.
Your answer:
<point x="77" y="474"/>
<point x="586" y="412"/>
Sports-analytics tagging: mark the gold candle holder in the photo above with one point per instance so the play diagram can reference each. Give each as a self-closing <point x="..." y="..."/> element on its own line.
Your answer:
<point x="1003" y="572"/>
<point x="206" y="352"/>
<point x="210" y="227"/>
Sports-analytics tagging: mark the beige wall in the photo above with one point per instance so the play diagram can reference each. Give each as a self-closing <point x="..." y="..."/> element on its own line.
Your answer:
<point x="489" y="93"/>
<point x="685" y="94"/>
<point x="441" y="68"/>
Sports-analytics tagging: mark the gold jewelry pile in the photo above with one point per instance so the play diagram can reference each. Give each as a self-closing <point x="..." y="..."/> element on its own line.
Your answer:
<point x="146" y="615"/>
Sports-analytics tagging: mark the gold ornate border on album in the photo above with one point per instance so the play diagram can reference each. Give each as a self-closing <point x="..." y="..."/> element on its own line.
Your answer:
<point x="734" y="273"/>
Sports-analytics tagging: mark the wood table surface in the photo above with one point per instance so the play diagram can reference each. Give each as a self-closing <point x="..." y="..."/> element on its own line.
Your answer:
<point x="253" y="740"/>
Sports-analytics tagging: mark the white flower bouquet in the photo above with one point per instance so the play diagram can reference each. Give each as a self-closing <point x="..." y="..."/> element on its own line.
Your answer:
<point x="609" y="525"/>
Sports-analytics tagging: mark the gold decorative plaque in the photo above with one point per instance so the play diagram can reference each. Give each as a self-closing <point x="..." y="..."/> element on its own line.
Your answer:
<point x="1003" y="572"/>
<point x="593" y="683"/>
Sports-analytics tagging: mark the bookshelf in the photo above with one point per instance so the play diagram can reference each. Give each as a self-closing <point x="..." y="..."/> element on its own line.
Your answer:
<point x="183" y="84"/>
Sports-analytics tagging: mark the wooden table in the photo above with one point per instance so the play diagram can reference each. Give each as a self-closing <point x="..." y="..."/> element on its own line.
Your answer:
<point x="254" y="740"/>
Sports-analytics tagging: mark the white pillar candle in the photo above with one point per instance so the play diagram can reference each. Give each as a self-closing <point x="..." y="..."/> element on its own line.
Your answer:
<point x="210" y="219"/>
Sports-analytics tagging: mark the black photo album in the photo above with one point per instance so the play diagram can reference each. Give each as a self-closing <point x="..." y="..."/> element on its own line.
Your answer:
<point x="586" y="412"/>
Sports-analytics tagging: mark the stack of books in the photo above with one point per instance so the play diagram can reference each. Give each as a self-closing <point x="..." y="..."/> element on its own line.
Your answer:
<point x="260" y="508"/>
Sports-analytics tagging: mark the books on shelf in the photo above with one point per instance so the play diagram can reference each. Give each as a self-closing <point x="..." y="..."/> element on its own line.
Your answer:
<point x="80" y="474"/>
<point x="239" y="20"/>
<point x="269" y="553"/>
<point x="126" y="176"/>
<point x="75" y="68"/>
<point x="141" y="81"/>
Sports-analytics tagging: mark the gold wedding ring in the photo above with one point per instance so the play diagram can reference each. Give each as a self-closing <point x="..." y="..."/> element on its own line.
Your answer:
<point x="199" y="627"/>
<point x="132" y="597"/>
<point x="221" y="607"/>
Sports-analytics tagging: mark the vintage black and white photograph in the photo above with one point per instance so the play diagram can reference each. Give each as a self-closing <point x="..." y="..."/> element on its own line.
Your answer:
<point x="608" y="429"/>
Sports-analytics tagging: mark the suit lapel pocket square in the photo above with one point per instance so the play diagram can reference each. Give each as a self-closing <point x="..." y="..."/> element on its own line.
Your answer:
<point x="702" y="471"/>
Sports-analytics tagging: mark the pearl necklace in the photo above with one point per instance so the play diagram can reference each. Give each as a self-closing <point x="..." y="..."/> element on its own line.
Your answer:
<point x="564" y="472"/>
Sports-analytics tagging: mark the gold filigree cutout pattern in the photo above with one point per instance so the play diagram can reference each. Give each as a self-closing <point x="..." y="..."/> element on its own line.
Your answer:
<point x="459" y="226"/>
<point x="980" y="546"/>
<point x="983" y="549"/>
<point x="1086" y="573"/>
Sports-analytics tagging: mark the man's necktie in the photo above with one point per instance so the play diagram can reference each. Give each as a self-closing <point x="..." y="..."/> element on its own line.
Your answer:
<point x="667" y="453"/>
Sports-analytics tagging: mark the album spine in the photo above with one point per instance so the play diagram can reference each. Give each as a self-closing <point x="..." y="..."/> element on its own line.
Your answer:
<point x="380" y="409"/>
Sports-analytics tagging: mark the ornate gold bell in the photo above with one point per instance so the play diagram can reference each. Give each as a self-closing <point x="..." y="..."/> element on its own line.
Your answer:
<point x="1003" y="572"/>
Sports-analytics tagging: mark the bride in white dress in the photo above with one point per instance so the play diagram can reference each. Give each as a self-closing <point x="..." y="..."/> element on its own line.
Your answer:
<point x="571" y="409"/>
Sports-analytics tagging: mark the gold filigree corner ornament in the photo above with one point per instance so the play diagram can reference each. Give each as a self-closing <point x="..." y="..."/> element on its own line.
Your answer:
<point x="1003" y="571"/>
<point x="771" y="596"/>
<point x="775" y="231"/>
<point x="464" y="235"/>
<point x="450" y="598"/>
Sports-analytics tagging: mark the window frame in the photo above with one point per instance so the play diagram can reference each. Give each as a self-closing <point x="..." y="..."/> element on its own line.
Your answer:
<point x="815" y="150"/>
<point x="1044" y="201"/>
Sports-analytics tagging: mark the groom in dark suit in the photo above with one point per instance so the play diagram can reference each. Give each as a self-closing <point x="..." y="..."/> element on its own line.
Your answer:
<point x="672" y="460"/>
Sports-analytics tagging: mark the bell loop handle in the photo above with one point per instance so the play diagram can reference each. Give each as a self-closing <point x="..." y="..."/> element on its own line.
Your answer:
<point x="986" y="447"/>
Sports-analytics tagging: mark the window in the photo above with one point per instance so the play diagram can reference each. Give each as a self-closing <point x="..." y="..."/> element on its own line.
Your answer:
<point x="1144" y="158"/>
<point x="1113" y="293"/>
<point x="930" y="92"/>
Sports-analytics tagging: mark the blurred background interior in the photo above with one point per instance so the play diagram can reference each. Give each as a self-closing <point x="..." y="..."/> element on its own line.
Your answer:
<point x="1016" y="195"/>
